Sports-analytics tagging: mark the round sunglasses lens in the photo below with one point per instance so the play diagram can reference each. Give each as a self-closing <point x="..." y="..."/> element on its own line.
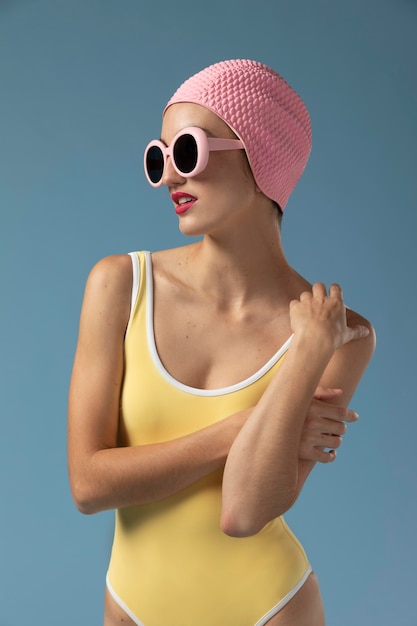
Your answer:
<point x="155" y="164"/>
<point x="185" y="153"/>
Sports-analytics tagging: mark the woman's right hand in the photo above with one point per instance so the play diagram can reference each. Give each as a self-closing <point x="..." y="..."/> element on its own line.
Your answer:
<point x="324" y="316"/>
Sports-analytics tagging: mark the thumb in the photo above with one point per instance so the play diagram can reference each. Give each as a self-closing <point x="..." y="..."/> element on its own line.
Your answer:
<point x="359" y="332"/>
<point x="326" y="393"/>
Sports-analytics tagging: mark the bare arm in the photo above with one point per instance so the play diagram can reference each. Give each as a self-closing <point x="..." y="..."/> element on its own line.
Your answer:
<point x="324" y="426"/>
<point x="103" y="476"/>
<point x="263" y="473"/>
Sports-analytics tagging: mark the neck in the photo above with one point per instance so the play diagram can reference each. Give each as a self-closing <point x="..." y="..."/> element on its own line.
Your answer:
<point x="234" y="268"/>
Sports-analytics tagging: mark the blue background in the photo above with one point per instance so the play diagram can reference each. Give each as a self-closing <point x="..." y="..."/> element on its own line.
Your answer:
<point x="82" y="86"/>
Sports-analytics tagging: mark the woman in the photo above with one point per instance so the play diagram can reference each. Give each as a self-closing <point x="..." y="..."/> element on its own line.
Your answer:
<point x="209" y="378"/>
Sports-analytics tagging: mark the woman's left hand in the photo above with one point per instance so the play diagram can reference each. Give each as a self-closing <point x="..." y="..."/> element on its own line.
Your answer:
<point x="324" y="427"/>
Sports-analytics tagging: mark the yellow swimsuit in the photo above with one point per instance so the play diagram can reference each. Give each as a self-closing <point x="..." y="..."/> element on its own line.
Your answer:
<point x="171" y="565"/>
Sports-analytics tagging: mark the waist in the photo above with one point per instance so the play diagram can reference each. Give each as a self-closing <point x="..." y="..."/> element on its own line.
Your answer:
<point x="185" y="528"/>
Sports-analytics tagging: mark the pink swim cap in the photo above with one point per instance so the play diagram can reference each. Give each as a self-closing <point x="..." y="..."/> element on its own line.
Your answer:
<point x="264" y="112"/>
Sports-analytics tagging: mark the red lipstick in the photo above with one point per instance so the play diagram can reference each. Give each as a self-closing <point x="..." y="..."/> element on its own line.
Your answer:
<point x="183" y="201"/>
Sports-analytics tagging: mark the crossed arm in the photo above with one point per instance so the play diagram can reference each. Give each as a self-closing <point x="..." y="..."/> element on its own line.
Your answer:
<point x="104" y="476"/>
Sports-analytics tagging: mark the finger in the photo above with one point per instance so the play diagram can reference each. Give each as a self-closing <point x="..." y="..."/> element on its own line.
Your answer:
<point x="305" y="295"/>
<point x="321" y="456"/>
<point x="326" y="393"/>
<point x="319" y="290"/>
<point x="351" y="416"/>
<point x="339" y="414"/>
<point x="335" y="291"/>
<point x="333" y="412"/>
<point x="320" y="425"/>
<point x="333" y="428"/>
<point x="330" y="441"/>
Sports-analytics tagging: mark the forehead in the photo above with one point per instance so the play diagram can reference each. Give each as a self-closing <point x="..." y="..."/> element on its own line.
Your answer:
<point x="184" y="114"/>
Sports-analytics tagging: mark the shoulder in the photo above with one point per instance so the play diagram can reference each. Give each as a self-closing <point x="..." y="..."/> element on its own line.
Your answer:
<point x="349" y="362"/>
<point x="114" y="272"/>
<point x="107" y="296"/>
<point x="366" y="345"/>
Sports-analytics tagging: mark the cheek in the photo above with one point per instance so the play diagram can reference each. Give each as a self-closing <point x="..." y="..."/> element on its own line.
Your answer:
<point x="247" y="172"/>
<point x="233" y="169"/>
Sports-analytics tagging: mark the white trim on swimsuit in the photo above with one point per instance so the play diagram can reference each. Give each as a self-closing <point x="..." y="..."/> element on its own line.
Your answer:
<point x="152" y="345"/>
<point x="203" y="392"/>
<point x="262" y="622"/>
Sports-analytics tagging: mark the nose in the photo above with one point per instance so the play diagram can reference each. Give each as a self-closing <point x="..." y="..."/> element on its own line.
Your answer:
<point x="171" y="176"/>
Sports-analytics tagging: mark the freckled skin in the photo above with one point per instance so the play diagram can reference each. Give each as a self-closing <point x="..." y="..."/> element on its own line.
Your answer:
<point x="240" y="300"/>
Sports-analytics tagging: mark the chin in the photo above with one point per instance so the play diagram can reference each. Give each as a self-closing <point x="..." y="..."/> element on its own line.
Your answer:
<point x="191" y="230"/>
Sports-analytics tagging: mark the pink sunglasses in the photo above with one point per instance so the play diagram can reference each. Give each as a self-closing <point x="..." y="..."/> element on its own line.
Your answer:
<point x="189" y="151"/>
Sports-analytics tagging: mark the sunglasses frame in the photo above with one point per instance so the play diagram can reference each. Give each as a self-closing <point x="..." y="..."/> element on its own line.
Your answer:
<point x="204" y="144"/>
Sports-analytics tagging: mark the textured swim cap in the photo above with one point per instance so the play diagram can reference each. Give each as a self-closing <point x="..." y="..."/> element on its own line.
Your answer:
<point x="264" y="112"/>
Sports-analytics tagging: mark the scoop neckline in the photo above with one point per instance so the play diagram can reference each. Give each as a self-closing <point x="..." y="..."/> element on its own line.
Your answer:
<point x="171" y="379"/>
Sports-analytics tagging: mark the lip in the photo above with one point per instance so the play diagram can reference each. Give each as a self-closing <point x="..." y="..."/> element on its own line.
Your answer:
<point x="185" y="206"/>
